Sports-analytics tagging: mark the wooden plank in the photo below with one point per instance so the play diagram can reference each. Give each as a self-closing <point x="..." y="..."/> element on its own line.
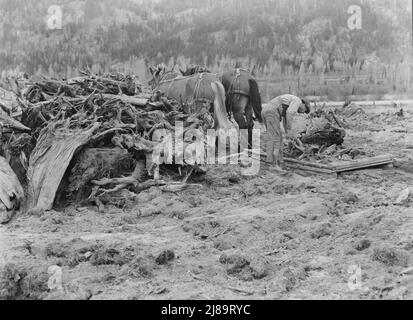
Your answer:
<point x="334" y="167"/>
<point x="308" y="163"/>
<point x="298" y="162"/>
<point x="301" y="165"/>
<point x="372" y="165"/>
<point x="361" y="164"/>
<point x="308" y="168"/>
<point x="296" y="166"/>
<point x="362" y="161"/>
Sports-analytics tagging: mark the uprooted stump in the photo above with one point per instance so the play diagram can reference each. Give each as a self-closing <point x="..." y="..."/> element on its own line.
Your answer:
<point x="95" y="164"/>
<point x="320" y="136"/>
<point x="121" y="188"/>
<point x="50" y="159"/>
<point x="326" y="135"/>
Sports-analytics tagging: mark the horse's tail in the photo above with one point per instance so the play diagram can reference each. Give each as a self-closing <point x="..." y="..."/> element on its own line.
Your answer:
<point x="220" y="115"/>
<point x="255" y="99"/>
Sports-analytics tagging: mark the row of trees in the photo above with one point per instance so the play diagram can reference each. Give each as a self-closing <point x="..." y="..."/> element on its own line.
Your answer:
<point x="277" y="36"/>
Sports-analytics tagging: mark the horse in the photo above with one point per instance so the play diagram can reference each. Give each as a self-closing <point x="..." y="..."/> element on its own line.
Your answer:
<point x="242" y="96"/>
<point x="188" y="89"/>
<point x="192" y="90"/>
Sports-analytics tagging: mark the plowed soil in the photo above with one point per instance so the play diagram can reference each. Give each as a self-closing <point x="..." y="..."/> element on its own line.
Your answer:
<point x="269" y="236"/>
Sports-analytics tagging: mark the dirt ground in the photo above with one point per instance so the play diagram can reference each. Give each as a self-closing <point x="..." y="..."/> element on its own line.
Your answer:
<point x="263" y="237"/>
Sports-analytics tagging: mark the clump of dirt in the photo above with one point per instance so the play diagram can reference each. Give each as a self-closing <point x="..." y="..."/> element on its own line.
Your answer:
<point x="362" y="245"/>
<point x="150" y="210"/>
<point x="111" y="256"/>
<point x="235" y="262"/>
<point x="76" y="251"/>
<point x="259" y="268"/>
<point x="218" y="177"/>
<point x="244" y="268"/>
<point x="71" y="253"/>
<point x="349" y="197"/>
<point x="391" y="257"/>
<point x="141" y="267"/>
<point x="10" y="282"/>
<point x="20" y="283"/>
<point x="225" y="243"/>
<point x="71" y="294"/>
<point x="165" y="257"/>
<point x="289" y="280"/>
<point x="322" y="230"/>
<point x="205" y="229"/>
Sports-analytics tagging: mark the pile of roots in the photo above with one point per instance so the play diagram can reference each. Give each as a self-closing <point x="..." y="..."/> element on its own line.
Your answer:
<point x="84" y="139"/>
<point x="321" y="137"/>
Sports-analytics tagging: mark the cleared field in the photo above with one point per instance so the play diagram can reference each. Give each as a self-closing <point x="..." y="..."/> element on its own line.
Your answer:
<point x="264" y="237"/>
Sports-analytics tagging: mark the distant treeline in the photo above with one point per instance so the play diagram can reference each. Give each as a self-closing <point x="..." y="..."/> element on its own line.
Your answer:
<point x="276" y="36"/>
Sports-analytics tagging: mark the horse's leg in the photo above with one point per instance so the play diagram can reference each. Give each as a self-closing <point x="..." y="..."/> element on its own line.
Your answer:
<point x="242" y="124"/>
<point x="239" y="107"/>
<point x="250" y="124"/>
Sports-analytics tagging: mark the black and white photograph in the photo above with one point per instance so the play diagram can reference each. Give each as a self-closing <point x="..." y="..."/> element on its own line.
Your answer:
<point x="206" y="150"/>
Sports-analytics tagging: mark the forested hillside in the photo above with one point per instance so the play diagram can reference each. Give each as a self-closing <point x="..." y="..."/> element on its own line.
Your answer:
<point x="276" y="36"/>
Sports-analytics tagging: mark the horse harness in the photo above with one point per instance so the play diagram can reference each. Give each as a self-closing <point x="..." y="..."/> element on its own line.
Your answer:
<point x="195" y="96"/>
<point x="235" y="88"/>
<point x="169" y="80"/>
<point x="197" y="86"/>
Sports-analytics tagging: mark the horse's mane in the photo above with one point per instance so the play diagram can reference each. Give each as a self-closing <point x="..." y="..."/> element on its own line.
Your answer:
<point x="194" y="69"/>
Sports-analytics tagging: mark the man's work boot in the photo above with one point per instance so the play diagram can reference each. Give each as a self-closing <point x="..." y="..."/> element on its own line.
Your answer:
<point x="269" y="148"/>
<point x="277" y="163"/>
<point x="281" y="159"/>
